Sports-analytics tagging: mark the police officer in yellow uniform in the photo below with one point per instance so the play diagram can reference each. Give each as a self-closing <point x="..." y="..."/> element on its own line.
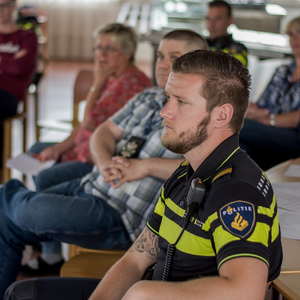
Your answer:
<point x="218" y="19"/>
<point x="214" y="231"/>
<point x="230" y="212"/>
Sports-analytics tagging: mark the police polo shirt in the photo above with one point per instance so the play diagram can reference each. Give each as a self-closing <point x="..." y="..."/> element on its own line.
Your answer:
<point x="238" y="217"/>
<point x="228" y="45"/>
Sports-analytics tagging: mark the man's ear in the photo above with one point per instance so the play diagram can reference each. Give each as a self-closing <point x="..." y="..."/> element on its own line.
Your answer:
<point x="222" y="115"/>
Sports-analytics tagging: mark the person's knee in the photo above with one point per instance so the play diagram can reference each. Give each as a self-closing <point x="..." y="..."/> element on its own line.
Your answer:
<point x="41" y="180"/>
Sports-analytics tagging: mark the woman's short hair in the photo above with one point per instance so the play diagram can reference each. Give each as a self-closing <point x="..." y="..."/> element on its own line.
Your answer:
<point x="124" y="34"/>
<point x="293" y="24"/>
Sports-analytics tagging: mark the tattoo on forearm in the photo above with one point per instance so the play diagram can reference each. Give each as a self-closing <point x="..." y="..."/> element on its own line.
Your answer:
<point x="147" y="242"/>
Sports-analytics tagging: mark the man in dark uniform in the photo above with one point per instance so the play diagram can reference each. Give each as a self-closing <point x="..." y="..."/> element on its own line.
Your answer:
<point x="214" y="232"/>
<point x="218" y="19"/>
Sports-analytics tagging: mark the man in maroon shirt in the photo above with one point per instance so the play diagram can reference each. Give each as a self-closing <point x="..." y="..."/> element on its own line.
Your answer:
<point x="18" y="52"/>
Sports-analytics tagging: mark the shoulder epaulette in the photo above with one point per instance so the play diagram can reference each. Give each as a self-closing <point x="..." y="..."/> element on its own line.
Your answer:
<point x="221" y="173"/>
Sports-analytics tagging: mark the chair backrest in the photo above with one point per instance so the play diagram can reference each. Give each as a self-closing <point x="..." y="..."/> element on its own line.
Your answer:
<point x="82" y="84"/>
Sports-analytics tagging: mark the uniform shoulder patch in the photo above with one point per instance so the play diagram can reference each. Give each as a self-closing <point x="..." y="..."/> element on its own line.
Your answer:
<point x="238" y="217"/>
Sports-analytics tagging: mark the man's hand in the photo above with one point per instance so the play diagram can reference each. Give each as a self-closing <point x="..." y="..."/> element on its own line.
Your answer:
<point x="120" y="170"/>
<point x="102" y="71"/>
<point x="50" y="153"/>
<point x="126" y="170"/>
<point x="112" y="175"/>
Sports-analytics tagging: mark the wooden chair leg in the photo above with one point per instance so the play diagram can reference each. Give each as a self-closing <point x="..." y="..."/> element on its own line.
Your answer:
<point x="7" y="149"/>
<point x="36" y="115"/>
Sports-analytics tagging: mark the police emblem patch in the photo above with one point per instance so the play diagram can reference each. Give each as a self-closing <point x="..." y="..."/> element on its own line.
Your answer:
<point x="238" y="217"/>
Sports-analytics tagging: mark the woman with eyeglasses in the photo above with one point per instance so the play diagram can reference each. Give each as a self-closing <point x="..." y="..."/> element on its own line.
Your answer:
<point x="116" y="80"/>
<point x="18" y="52"/>
<point x="271" y="133"/>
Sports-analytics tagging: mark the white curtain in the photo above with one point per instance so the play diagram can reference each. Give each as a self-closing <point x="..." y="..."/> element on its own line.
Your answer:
<point x="71" y="24"/>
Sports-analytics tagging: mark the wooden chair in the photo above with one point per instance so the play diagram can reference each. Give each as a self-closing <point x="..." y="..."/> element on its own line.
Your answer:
<point x="82" y="84"/>
<point x="89" y="263"/>
<point x="8" y="130"/>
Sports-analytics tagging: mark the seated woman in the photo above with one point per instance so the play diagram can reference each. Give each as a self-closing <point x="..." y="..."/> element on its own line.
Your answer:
<point x="271" y="133"/>
<point x="18" y="53"/>
<point x="116" y="80"/>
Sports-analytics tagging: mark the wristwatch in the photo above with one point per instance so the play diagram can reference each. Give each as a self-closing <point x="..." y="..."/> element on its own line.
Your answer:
<point x="272" y="119"/>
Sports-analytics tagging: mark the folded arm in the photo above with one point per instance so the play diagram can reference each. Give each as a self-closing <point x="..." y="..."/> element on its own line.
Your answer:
<point x="240" y="278"/>
<point x="103" y="143"/>
<point x="262" y="115"/>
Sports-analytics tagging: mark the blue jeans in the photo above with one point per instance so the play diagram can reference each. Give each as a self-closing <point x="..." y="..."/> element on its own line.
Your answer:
<point x="269" y="145"/>
<point x="59" y="172"/>
<point x="64" y="213"/>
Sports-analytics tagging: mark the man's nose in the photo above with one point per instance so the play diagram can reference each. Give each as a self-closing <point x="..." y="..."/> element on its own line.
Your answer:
<point x="166" y="111"/>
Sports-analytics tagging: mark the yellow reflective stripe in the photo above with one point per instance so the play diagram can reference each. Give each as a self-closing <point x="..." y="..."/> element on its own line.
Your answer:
<point x="241" y="57"/>
<point x="195" y="245"/>
<point x="207" y="225"/>
<point x="228" y="157"/>
<point x="222" y="173"/>
<point x="181" y="175"/>
<point x="188" y="243"/>
<point x="160" y="206"/>
<point x="222" y="238"/>
<point x="268" y="211"/>
<point x="174" y="207"/>
<point x="260" y="234"/>
<point x="275" y="228"/>
<point x="242" y="255"/>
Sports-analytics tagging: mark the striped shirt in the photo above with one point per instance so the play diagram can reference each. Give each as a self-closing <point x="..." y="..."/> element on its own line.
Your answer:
<point x="140" y="117"/>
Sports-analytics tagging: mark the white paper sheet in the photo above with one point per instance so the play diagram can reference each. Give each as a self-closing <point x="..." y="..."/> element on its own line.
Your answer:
<point x="288" y="195"/>
<point x="27" y="164"/>
<point x="288" y="200"/>
<point x="289" y="224"/>
<point x="293" y="171"/>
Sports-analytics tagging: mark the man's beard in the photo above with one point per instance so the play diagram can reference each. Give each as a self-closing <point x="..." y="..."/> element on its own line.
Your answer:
<point x="187" y="140"/>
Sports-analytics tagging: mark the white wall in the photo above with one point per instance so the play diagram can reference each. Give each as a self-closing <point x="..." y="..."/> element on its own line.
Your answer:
<point x="72" y="22"/>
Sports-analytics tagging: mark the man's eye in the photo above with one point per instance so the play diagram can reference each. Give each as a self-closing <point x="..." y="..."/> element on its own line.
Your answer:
<point x="181" y="102"/>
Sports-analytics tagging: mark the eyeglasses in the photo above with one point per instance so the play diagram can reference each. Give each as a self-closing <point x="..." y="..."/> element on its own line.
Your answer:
<point x="106" y="49"/>
<point x="7" y="4"/>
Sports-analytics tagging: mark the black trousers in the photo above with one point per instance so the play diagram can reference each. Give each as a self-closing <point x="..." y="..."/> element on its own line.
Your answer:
<point x="8" y="108"/>
<point x="8" y="104"/>
<point x="51" y="289"/>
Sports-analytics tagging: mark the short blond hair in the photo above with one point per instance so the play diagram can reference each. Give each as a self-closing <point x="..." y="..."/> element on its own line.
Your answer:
<point x="125" y="35"/>
<point x="293" y="24"/>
